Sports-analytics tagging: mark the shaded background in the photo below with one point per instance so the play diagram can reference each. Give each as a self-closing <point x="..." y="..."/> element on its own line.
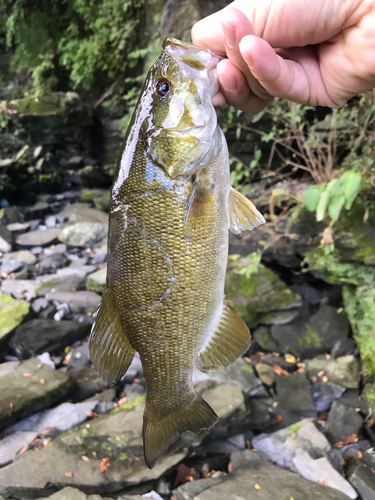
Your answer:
<point x="70" y="76"/>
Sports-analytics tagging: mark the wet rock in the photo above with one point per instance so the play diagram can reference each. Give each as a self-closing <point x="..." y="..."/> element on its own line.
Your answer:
<point x="87" y="382"/>
<point x="39" y="304"/>
<point x="79" y="302"/>
<point x="45" y="335"/>
<point x="20" y="289"/>
<point x="343" y="371"/>
<point x="320" y="470"/>
<point x="223" y="398"/>
<point x="10" y="266"/>
<point x="80" y="355"/>
<point x="53" y="249"/>
<point x="11" y="445"/>
<point x="51" y="263"/>
<point x="47" y="360"/>
<point x="80" y="212"/>
<point x="98" y="255"/>
<point x="29" y="387"/>
<point x="308" y="337"/>
<point x="6" y="239"/>
<point x="12" y="313"/>
<point x="82" y="234"/>
<point x="57" y="284"/>
<point x="293" y="394"/>
<point x="266" y="373"/>
<point x="37" y="211"/>
<point x="281" y="446"/>
<point x="79" y="271"/>
<point x="11" y="214"/>
<point x="24" y="256"/>
<point x="263" y="292"/>
<point x="7" y="367"/>
<point x="363" y="480"/>
<point x="252" y="477"/>
<point x="18" y="228"/>
<point x="342" y="422"/>
<point x="38" y="238"/>
<point x="117" y="436"/>
<point x="343" y="347"/>
<point x="97" y="281"/>
<point x="324" y="393"/>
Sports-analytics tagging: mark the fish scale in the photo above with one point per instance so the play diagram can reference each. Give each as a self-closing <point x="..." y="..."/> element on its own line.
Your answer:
<point x="171" y="207"/>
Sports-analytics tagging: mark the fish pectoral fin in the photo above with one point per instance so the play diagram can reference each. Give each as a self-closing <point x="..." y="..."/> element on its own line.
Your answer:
<point x="160" y="433"/>
<point x="243" y="216"/>
<point x="196" y="207"/>
<point x="230" y="339"/>
<point x="110" y="349"/>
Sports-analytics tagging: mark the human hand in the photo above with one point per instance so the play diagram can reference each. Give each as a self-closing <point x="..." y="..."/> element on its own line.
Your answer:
<point x="320" y="53"/>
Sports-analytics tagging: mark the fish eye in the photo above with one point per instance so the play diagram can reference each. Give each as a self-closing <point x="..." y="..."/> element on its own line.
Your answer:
<point x="163" y="88"/>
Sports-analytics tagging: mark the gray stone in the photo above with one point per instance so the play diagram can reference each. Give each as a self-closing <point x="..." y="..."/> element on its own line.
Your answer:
<point x="281" y="446"/>
<point x="87" y="382"/>
<point x="79" y="272"/>
<point x="117" y="436"/>
<point x="343" y="347"/>
<point x="342" y="422"/>
<point x="47" y="360"/>
<point x="98" y="256"/>
<point x="82" y="234"/>
<point x="324" y="393"/>
<point x="81" y="212"/>
<point x="12" y="313"/>
<point x="17" y="228"/>
<point x="38" y="238"/>
<point x="12" y="214"/>
<point x="266" y="373"/>
<point x="29" y="387"/>
<point x="61" y="284"/>
<point x="6" y="239"/>
<point x="223" y="398"/>
<point x="7" y="367"/>
<point x="97" y="281"/>
<point x="293" y="394"/>
<point x="51" y="263"/>
<point x="343" y="371"/>
<point x="39" y="304"/>
<point x="38" y="210"/>
<point x="50" y="221"/>
<point x="307" y="337"/>
<point x="78" y="302"/>
<point x="253" y="478"/>
<point x="11" y="445"/>
<point x="24" y="256"/>
<point x="10" y="266"/>
<point x="45" y="335"/>
<point x="20" y="289"/>
<point x="320" y="470"/>
<point x="363" y="480"/>
<point x="59" y="248"/>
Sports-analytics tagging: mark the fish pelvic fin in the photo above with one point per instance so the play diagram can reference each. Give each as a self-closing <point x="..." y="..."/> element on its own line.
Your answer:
<point x="110" y="349"/>
<point x="230" y="339"/>
<point x="160" y="433"/>
<point x="243" y="215"/>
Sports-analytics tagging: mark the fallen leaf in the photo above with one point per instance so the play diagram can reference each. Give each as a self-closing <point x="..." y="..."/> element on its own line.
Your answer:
<point x="276" y="354"/>
<point x="104" y="464"/>
<point x="255" y="475"/>
<point x="353" y="438"/>
<point x="42" y="381"/>
<point x="290" y="359"/>
<point x="324" y="483"/>
<point x="91" y="414"/>
<point x="27" y="374"/>
<point x="248" y="360"/>
<point x="46" y="441"/>
<point x="4" y="275"/>
<point x="69" y="474"/>
<point x="279" y="418"/>
<point x="230" y="468"/>
<point x="24" y="448"/>
<point x="321" y="373"/>
<point x="323" y="416"/>
<point x="301" y="369"/>
<point x="44" y="432"/>
<point x="280" y="371"/>
<point x="211" y="472"/>
<point x="325" y="379"/>
<point x="89" y="313"/>
<point x="184" y="475"/>
<point x="257" y="487"/>
<point x="86" y="459"/>
<point x="122" y="401"/>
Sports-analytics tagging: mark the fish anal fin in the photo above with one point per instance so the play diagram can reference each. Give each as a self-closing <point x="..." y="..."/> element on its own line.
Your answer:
<point x="243" y="216"/>
<point x="197" y="207"/>
<point x="160" y="433"/>
<point x="230" y="339"/>
<point x="110" y="349"/>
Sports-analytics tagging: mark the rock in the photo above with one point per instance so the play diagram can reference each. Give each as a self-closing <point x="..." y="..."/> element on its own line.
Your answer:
<point x="117" y="436"/>
<point x="342" y="422"/>
<point x="321" y="470"/>
<point x="39" y="304"/>
<point x="10" y="266"/>
<point x="84" y="234"/>
<point x="29" y="387"/>
<point x="266" y="373"/>
<point x="343" y="347"/>
<point x="363" y="480"/>
<point x="38" y="238"/>
<point x="11" y="214"/>
<point x="223" y="398"/>
<point x="20" y="289"/>
<point x="58" y="284"/>
<point x="324" y="393"/>
<point x="97" y="281"/>
<point x="281" y="446"/>
<point x="252" y="477"/>
<point x="45" y="335"/>
<point x="12" y="313"/>
<point x="80" y="355"/>
<point x="79" y="271"/>
<point x="80" y="212"/>
<point x="11" y="445"/>
<point x="98" y="255"/>
<point x="69" y="493"/>
<point x="59" y="248"/>
<point x="308" y="337"/>
<point x="293" y="394"/>
<point x="51" y="263"/>
<point x="7" y="367"/>
<point x="50" y="221"/>
<point x="24" y="256"/>
<point x="17" y="228"/>
<point x="261" y="293"/>
<point x="343" y="371"/>
<point x="79" y="302"/>
<point x="37" y="211"/>
<point x="87" y="382"/>
<point x="46" y="359"/>
<point x="6" y="239"/>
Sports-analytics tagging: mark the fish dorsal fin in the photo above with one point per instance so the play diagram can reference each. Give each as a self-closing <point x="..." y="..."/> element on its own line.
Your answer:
<point x="110" y="349"/>
<point x="243" y="216"/>
<point x="196" y="208"/>
<point x="160" y="433"/>
<point x="230" y="339"/>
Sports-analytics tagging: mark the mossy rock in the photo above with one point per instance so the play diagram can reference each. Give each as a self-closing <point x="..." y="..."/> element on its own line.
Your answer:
<point x="91" y="194"/>
<point x="54" y="103"/>
<point x="260" y="293"/>
<point x="96" y="282"/>
<point x="12" y="313"/>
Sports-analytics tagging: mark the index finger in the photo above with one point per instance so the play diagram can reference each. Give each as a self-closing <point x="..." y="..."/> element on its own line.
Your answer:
<point x="208" y="34"/>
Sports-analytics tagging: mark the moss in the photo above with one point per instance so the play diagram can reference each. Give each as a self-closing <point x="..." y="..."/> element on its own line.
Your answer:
<point x="246" y="368"/>
<point x="123" y="456"/>
<point x="129" y="405"/>
<point x="294" y="428"/>
<point x="310" y="337"/>
<point x="369" y="392"/>
<point x="12" y="313"/>
<point x="91" y="194"/>
<point x="84" y="432"/>
<point x="45" y="284"/>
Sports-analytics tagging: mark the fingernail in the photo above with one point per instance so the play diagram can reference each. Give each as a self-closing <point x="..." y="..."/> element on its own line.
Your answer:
<point x="229" y="34"/>
<point x="248" y="57"/>
<point x="229" y="83"/>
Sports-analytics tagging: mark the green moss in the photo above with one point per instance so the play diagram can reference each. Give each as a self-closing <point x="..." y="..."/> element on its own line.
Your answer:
<point x="246" y="368"/>
<point x="84" y="432"/>
<point x="12" y="313"/>
<point x="91" y="194"/>
<point x="123" y="456"/>
<point x="310" y="337"/>
<point x="294" y="428"/>
<point x="45" y="284"/>
<point x="129" y="405"/>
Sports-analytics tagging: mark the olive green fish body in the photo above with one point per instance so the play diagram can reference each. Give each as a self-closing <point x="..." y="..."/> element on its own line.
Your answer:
<point x="171" y="208"/>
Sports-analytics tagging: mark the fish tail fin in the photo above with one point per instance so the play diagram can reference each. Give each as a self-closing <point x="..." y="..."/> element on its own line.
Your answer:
<point x="159" y="434"/>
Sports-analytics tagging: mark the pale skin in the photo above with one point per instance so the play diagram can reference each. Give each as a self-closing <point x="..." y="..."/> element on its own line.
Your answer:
<point x="317" y="52"/>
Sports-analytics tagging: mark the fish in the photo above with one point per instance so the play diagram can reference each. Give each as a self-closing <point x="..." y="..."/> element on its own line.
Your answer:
<point x="170" y="210"/>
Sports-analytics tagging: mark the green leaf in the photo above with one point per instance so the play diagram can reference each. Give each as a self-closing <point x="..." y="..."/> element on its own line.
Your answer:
<point x="321" y="209"/>
<point x="351" y="182"/>
<point x="312" y="196"/>
<point x="335" y="206"/>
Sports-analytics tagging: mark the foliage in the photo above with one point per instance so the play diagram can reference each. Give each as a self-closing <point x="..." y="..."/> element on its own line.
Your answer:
<point x="332" y="196"/>
<point x="81" y="37"/>
<point x="252" y="267"/>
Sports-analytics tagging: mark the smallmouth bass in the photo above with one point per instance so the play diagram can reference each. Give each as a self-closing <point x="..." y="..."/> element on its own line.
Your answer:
<point x="171" y="207"/>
